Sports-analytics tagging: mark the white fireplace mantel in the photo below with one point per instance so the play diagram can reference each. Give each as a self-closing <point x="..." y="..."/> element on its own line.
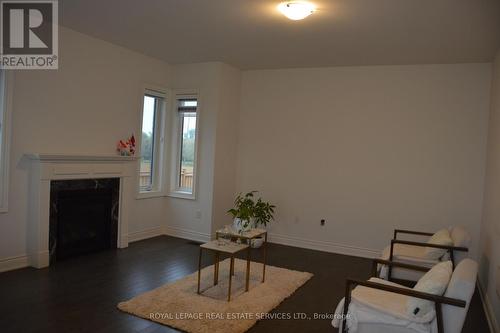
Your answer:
<point x="47" y="167"/>
<point x="76" y="157"/>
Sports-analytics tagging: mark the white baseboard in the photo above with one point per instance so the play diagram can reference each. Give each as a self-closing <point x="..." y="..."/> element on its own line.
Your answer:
<point x="39" y="259"/>
<point x="187" y="234"/>
<point x="22" y="261"/>
<point x="324" y="246"/>
<point x="488" y="309"/>
<point x="145" y="234"/>
<point x="11" y="263"/>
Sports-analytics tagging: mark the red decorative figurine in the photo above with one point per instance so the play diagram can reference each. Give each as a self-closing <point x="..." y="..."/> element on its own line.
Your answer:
<point x="126" y="148"/>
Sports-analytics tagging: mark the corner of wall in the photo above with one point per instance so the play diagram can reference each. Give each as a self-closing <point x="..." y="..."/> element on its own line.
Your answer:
<point x="226" y="144"/>
<point x="489" y="252"/>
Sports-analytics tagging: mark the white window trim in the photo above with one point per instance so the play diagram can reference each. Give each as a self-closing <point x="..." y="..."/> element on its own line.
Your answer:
<point x="7" y="91"/>
<point x="174" y="162"/>
<point x="160" y="149"/>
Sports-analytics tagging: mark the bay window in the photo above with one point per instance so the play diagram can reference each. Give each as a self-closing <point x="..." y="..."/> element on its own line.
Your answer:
<point x="168" y="144"/>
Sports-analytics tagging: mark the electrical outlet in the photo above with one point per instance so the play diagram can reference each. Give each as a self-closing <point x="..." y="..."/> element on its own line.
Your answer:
<point x="322" y="222"/>
<point x="198" y="214"/>
<point x="296" y="220"/>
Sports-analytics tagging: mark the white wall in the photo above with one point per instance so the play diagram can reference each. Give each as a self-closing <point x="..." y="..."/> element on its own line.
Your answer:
<point x="490" y="232"/>
<point x="226" y="146"/>
<point x="93" y="100"/>
<point x="367" y="148"/>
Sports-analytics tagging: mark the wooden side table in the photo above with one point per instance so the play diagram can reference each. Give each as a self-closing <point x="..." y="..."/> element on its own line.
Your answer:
<point x="230" y="248"/>
<point x="248" y="236"/>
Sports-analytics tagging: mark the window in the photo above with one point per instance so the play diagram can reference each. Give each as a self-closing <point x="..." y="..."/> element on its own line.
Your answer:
<point x="168" y="144"/>
<point x="187" y="107"/>
<point x="151" y="162"/>
<point x="5" y="97"/>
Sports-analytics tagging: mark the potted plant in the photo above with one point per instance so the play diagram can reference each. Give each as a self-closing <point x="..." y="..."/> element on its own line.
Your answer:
<point x="248" y="214"/>
<point x="243" y="212"/>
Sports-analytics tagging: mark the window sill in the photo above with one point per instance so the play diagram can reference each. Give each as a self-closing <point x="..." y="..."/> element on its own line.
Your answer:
<point x="149" y="194"/>
<point x="181" y="195"/>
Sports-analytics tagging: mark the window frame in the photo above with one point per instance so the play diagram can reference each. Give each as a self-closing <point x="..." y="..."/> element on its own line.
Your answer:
<point x="6" y="89"/>
<point x="158" y="158"/>
<point x="176" y="145"/>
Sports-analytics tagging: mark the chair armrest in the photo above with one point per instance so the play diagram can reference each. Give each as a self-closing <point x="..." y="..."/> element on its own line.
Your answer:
<point x="411" y="232"/>
<point x="389" y="263"/>
<point x="422" y="244"/>
<point x="407" y="292"/>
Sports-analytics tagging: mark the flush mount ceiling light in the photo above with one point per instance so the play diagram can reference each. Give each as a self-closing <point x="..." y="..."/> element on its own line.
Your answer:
<point x="296" y="10"/>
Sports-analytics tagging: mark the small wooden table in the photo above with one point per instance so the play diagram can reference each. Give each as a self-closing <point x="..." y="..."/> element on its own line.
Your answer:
<point x="248" y="236"/>
<point x="227" y="247"/>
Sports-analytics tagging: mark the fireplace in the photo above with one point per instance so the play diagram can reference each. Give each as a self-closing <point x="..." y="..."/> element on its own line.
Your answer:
<point x="83" y="217"/>
<point x="51" y="174"/>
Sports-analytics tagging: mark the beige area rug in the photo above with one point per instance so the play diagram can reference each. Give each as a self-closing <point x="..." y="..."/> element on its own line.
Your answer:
<point x="178" y="305"/>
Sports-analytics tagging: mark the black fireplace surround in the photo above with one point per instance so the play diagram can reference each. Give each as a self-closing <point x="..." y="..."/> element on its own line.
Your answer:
<point x="83" y="216"/>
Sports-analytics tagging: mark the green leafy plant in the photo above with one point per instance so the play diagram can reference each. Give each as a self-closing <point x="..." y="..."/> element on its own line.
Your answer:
<point x="248" y="210"/>
<point x="263" y="212"/>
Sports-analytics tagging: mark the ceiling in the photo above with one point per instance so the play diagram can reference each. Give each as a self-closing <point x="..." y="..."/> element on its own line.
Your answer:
<point x="252" y="34"/>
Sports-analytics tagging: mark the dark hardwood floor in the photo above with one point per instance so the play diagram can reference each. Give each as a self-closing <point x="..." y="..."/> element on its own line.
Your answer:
<point x="80" y="294"/>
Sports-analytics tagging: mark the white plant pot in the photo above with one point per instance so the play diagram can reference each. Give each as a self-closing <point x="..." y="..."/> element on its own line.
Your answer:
<point x="257" y="242"/>
<point x="240" y="226"/>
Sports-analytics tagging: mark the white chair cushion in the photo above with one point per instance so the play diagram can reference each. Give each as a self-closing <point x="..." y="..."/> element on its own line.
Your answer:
<point x="461" y="286"/>
<point x="433" y="282"/>
<point x="377" y="308"/>
<point x="383" y="301"/>
<point x="442" y="237"/>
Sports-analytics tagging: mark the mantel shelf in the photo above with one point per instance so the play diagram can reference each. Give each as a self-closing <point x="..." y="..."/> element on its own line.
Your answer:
<point x="79" y="157"/>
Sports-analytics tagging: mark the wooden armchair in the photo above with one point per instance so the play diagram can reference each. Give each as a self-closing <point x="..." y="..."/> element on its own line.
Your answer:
<point x="413" y="252"/>
<point x="450" y="309"/>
